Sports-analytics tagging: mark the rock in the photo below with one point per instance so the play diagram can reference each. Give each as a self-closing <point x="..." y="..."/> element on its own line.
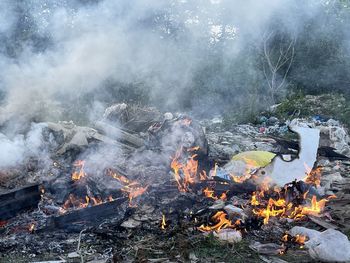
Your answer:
<point x="328" y="180"/>
<point x="332" y="122"/>
<point x="218" y="204"/>
<point x="193" y="258"/>
<point x="73" y="255"/>
<point x="327" y="246"/>
<point x="268" y="248"/>
<point x="335" y="137"/>
<point x="229" y="235"/>
<point x="234" y="210"/>
<point x="130" y="223"/>
<point x="332" y="134"/>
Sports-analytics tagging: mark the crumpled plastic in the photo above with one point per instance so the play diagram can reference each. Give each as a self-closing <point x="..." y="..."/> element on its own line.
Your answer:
<point x="327" y="246"/>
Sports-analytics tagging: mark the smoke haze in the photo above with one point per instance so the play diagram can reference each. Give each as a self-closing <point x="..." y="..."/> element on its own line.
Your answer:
<point x="59" y="59"/>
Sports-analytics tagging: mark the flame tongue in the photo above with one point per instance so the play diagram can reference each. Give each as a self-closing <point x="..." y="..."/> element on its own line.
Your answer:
<point x="186" y="173"/>
<point x="80" y="173"/>
<point x="163" y="223"/>
<point x="210" y="193"/>
<point x="279" y="207"/>
<point x="132" y="188"/>
<point x="221" y="221"/>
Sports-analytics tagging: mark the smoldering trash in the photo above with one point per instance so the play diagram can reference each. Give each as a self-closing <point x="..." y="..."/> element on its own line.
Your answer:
<point x="174" y="131"/>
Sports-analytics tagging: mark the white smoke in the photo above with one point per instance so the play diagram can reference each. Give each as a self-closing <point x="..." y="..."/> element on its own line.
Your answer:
<point x="14" y="151"/>
<point x="158" y="43"/>
<point x="57" y="52"/>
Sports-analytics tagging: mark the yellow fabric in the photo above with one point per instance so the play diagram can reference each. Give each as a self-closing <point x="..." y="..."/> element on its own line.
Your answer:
<point x="255" y="158"/>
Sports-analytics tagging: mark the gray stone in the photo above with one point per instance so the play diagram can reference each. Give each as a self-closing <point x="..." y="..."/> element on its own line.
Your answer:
<point x="229" y="235"/>
<point x="234" y="210"/>
<point x="73" y="255"/>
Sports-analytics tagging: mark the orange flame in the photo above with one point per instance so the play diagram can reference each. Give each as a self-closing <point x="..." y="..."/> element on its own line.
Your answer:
<point x="134" y="192"/>
<point x="220" y="218"/>
<point x="254" y="200"/>
<point x="73" y="202"/>
<point x="285" y="238"/>
<point x="163" y="223"/>
<point x="77" y="175"/>
<point x="186" y="174"/>
<point x="210" y="193"/>
<point x="280" y="208"/>
<point x="300" y="239"/>
<point x="313" y="176"/>
<point x="132" y="188"/>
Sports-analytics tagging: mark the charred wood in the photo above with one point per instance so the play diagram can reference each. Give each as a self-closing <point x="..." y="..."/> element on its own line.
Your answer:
<point x="18" y="200"/>
<point x="90" y="216"/>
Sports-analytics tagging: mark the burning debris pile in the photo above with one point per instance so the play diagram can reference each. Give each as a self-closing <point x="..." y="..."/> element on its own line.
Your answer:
<point x="117" y="193"/>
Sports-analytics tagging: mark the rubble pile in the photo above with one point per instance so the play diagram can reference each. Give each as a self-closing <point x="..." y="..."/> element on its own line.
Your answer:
<point x="141" y="186"/>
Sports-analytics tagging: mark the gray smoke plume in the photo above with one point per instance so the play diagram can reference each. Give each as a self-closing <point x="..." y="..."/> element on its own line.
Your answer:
<point x="59" y="52"/>
<point x="15" y="150"/>
<point x="62" y="58"/>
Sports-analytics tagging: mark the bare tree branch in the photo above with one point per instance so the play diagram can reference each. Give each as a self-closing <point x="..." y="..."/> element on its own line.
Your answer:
<point x="273" y="67"/>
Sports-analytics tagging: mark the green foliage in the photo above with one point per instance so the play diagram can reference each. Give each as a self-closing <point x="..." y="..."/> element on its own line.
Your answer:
<point x="331" y="105"/>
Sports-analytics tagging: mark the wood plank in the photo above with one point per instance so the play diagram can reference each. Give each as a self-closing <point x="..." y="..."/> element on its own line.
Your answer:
<point x="19" y="200"/>
<point x="90" y="216"/>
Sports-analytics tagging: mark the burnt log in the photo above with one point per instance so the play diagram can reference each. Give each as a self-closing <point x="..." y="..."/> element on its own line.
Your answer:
<point x="90" y="216"/>
<point x="19" y="200"/>
<point x="221" y="185"/>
